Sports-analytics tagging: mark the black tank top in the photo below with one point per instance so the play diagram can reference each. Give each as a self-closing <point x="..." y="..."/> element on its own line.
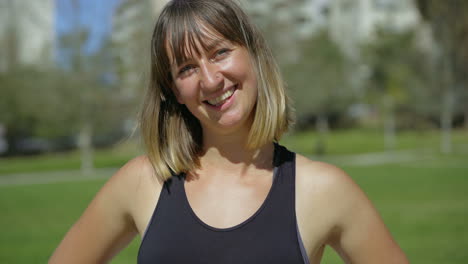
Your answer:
<point x="270" y="236"/>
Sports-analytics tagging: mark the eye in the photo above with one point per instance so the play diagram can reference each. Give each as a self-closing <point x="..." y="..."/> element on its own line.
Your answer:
<point x="186" y="70"/>
<point x="222" y="53"/>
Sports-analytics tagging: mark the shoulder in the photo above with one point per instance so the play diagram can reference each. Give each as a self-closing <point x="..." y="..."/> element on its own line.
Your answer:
<point x="312" y="174"/>
<point x="130" y="183"/>
<point x="111" y="219"/>
<point x="124" y="192"/>
<point x="328" y="188"/>
<point x="130" y="193"/>
<point x="139" y="166"/>
<point x="134" y="172"/>
<point x="140" y="189"/>
<point x="329" y="198"/>
<point x="136" y="175"/>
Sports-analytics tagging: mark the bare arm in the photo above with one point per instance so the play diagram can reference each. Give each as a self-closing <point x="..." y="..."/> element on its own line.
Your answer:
<point x="360" y="236"/>
<point x="333" y="210"/>
<point x="106" y="226"/>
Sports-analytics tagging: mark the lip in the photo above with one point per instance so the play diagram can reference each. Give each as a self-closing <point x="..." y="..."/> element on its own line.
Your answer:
<point x="226" y="103"/>
<point x="219" y="93"/>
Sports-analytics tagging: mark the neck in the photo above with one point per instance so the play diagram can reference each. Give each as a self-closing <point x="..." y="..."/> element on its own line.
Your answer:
<point x="229" y="153"/>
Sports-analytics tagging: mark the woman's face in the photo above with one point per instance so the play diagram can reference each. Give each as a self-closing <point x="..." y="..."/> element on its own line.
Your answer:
<point x="218" y="86"/>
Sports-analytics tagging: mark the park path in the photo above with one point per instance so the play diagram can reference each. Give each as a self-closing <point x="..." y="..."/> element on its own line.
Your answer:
<point x="404" y="157"/>
<point x="378" y="158"/>
<point x="53" y="177"/>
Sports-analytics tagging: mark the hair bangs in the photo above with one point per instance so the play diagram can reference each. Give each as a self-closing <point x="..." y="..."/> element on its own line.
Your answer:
<point x="192" y="32"/>
<point x="191" y="40"/>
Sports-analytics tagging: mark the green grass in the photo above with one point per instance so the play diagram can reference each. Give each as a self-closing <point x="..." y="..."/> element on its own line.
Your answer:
<point x="339" y="142"/>
<point x="426" y="210"/>
<point x="371" y="140"/>
<point x="424" y="202"/>
<point x="36" y="217"/>
<point x="103" y="158"/>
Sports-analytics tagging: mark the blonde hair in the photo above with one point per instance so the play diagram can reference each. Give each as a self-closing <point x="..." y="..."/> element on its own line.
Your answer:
<point x="172" y="135"/>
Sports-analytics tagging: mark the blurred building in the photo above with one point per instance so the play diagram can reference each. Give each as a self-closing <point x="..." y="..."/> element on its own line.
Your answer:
<point x="352" y="22"/>
<point x="282" y="23"/>
<point x="27" y="33"/>
<point x="349" y="22"/>
<point x="131" y="33"/>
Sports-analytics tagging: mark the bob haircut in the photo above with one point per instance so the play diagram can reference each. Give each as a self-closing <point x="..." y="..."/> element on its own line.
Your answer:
<point x="171" y="134"/>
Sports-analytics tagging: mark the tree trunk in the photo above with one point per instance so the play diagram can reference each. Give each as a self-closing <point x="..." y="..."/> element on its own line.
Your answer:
<point x="448" y="101"/>
<point x="321" y="125"/>
<point x="465" y="124"/>
<point x="86" y="148"/>
<point x="389" y="123"/>
<point x="446" y="122"/>
<point x="12" y="38"/>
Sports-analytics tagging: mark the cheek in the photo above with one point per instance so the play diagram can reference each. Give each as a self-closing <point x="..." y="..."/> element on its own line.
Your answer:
<point x="247" y="70"/>
<point x="184" y="92"/>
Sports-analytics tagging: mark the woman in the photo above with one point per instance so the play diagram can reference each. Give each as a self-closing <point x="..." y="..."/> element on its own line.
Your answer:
<point x="213" y="187"/>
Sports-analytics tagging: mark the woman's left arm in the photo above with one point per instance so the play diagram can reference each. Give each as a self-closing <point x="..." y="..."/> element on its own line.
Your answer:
<point x="360" y="235"/>
<point x="343" y="214"/>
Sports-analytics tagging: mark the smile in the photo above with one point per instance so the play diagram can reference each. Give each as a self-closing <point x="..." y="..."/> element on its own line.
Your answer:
<point x="222" y="98"/>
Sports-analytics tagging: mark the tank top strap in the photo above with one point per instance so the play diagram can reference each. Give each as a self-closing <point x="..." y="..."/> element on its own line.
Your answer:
<point x="284" y="162"/>
<point x="283" y="192"/>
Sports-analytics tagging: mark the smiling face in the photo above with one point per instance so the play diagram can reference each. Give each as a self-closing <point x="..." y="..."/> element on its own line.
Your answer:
<point x="212" y="73"/>
<point x="217" y="83"/>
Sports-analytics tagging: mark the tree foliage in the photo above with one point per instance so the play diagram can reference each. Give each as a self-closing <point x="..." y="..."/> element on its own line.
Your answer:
<point x="399" y="69"/>
<point x="318" y="80"/>
<point x="54" y="102"/>
<point x="449" y="24"/>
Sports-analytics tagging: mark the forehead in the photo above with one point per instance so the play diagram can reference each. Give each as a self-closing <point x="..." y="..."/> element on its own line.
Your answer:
<point x="191" y="41"/>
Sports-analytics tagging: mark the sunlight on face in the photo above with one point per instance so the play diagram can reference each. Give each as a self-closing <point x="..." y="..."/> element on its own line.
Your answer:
<point x="215" y="80"/>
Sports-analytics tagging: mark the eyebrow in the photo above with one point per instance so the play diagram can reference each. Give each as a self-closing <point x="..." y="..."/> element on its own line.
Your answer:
<point x="210" y="44"/>
<point x="214" y="43"/>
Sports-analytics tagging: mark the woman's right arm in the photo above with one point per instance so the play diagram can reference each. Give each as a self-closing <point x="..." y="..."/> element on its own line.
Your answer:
<point x="107" y="225"/>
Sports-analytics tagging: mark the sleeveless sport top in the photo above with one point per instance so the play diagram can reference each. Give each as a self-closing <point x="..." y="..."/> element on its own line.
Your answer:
<point x="270" y="236"/>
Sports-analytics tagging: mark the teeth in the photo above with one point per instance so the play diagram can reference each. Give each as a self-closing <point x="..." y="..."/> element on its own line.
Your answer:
<point x="221" y="98"/>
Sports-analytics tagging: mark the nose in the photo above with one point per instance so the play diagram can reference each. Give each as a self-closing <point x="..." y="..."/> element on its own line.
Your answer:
<point x="211" y="78"/>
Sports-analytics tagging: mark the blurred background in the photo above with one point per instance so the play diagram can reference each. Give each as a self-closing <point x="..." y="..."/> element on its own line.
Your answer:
<point x="379" y="86"/>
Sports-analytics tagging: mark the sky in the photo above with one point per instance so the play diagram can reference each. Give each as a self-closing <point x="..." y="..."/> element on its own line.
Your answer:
<point x="95" y="15"/>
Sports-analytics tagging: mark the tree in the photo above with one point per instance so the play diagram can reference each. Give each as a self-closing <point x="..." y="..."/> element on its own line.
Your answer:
<point x="314" y="67"/>
<point x="318" y="82"/>
<point x="95" y="98"/>
<point x="57" y="102"/>
<point x="282" y="31"/>
<point x="32" y="103"/>
<point x="131" y="37"/>
<point x="449" y="25"/>
<point x="397" y="73"/>
<point x="28" y="92"/>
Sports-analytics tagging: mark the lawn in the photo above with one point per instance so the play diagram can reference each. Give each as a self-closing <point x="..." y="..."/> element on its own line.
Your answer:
<point x="35" y="218"/>
<point x="426" y="209"/>
<point x="424" y="203"/>
<point x="103" y="158"/>
<point x="342" y="142"/>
